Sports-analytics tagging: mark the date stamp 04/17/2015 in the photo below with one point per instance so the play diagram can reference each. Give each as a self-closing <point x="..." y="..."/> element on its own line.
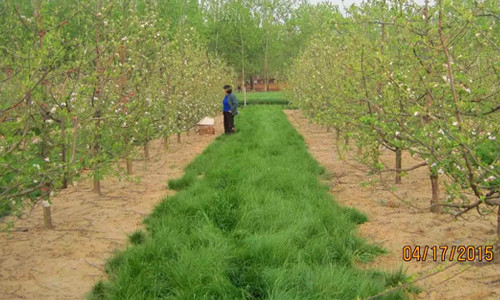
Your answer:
<point x="443" y="253"/>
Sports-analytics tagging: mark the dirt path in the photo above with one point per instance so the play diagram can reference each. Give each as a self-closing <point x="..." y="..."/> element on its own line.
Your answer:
<point x="394" y="224"/>
<point x="66" y="262"/>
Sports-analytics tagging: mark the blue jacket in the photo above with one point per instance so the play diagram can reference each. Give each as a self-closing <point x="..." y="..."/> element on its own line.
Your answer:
<point x="233" y="103"/>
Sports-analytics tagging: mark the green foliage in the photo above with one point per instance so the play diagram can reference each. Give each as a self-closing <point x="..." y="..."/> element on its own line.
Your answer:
<point x="83" y="83"/>
<point x="406" y="77"/>
<point x="257" y="225"/>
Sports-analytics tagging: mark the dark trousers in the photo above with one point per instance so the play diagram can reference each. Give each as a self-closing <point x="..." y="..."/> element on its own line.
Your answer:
<point x="228" y="122"/>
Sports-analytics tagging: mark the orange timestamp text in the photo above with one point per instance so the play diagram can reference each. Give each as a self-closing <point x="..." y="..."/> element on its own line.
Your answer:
<point x="459" y="253"/>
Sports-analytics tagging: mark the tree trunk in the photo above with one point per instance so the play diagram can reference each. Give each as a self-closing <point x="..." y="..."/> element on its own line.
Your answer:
<point x="398" y="165"/>
<point x="266" y="64"/>
<point x="435" y="193"/>
<point x="165" y="143"/>
<point x="63" y="155"/>
<point x="127" y="155"/>
<point x="130" y="169"/>
<point x="243" y="88"/>
<point x="498" y="222"/>
<point x="97" y="181"/>
<point x="97" y="184"/>
<point x="178" y="137"/>
<point x="47" y="215"/>
<point x="188" y="132"/>
<point x="146" y="150"/>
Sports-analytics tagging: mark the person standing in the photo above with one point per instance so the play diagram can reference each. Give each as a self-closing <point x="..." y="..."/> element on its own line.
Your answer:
<point x="229" y="109"/>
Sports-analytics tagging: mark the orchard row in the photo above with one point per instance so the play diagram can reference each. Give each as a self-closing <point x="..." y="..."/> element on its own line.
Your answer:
<point x="84" y="83"/>
<point x="417" y="78"/>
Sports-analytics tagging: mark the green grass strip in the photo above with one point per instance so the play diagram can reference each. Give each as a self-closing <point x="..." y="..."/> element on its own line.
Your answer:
<point x="276" y="98"/>
<point x="252" y="220"/>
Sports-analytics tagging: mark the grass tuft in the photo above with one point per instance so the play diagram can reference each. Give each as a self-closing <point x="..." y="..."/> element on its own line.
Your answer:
<point x="181" y="183"/>
<point x="98" y="291"/>
<point x="138" y="237"/>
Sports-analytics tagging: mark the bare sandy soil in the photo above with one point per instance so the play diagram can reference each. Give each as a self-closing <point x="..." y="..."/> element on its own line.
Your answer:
<point x="393" y="223"/>
<point x="66" y="262"/>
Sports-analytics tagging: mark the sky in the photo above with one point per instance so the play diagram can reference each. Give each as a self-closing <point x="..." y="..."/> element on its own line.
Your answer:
<point x="338" y="2"/>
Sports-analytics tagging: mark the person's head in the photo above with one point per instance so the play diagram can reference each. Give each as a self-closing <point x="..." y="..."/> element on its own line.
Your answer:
<point x="228" y="89"/>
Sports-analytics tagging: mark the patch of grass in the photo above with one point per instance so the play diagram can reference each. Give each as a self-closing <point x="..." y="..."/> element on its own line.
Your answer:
<point x="181" y="183"/>
<point x="138" y="237"/>
<point x="98" y="291"/>
<point x="276" y="98"/>
<point x="257" y="225"/>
